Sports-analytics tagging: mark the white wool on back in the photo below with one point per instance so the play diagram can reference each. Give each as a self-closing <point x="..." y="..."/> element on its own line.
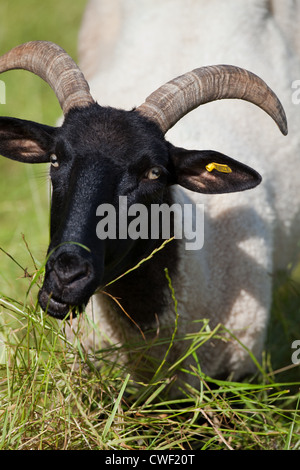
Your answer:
<point x="130" y="48"/>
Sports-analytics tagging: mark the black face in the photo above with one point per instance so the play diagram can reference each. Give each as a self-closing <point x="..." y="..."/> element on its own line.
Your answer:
<point x="97" y="156"/>
<point x="107" y="157"/>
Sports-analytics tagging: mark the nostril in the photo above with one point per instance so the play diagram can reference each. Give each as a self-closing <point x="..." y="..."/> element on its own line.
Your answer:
<point x="71" y="268"/>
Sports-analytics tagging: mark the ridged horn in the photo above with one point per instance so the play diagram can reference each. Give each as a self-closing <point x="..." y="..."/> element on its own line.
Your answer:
<point x="169" y="103"/>
<point x="55" y="66"/>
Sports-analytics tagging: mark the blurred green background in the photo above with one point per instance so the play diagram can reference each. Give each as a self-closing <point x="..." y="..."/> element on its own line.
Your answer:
<point x="24" y="189"/>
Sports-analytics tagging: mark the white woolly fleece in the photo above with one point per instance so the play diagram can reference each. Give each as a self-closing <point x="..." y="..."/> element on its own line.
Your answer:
<point x="130" y="48"/>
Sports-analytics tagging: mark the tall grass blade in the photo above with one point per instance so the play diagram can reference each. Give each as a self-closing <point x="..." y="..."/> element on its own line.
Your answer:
<point x="115" y="408"/>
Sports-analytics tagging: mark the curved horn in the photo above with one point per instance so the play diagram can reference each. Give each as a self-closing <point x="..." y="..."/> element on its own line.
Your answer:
<point x="172" y="101"/>
<point x="55" y="66"/>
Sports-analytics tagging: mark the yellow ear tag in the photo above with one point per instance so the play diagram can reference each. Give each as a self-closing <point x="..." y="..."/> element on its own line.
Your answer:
<point x="217" y="166"/>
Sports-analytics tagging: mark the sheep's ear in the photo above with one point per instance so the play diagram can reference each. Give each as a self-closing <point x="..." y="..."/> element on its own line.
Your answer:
<point x="25" y="141"/>
<point x="211" y="172"/>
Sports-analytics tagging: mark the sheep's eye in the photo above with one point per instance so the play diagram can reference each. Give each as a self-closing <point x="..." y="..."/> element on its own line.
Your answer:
<point x="54" y="161"/>
<point x="153" y="173"/>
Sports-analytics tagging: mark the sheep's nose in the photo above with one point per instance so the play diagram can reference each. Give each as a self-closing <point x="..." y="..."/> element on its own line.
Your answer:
<point x="71" y="268"/>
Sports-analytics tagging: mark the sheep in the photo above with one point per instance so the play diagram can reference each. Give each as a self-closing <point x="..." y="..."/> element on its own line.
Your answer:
<point x="101" y="153"/>
<point x="149" y="43"/>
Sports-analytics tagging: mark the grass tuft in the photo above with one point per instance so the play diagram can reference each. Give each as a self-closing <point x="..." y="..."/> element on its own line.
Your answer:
<point x="53" y="397"/>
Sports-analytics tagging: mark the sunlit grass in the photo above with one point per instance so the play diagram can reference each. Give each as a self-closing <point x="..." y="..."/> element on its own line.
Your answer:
<point x="53" y="397"/>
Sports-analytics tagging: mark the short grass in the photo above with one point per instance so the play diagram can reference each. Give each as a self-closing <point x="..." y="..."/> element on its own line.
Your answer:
<point x="51" y="396"/>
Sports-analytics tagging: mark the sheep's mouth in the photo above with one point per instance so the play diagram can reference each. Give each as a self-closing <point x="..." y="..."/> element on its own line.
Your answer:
<point x="54" y="307"/>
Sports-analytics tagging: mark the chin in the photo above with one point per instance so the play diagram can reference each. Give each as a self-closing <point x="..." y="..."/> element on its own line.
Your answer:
<point x="57" y="308"/>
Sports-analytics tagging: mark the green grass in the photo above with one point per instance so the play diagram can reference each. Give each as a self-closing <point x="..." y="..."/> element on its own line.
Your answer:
<point x="51" y="396"/>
